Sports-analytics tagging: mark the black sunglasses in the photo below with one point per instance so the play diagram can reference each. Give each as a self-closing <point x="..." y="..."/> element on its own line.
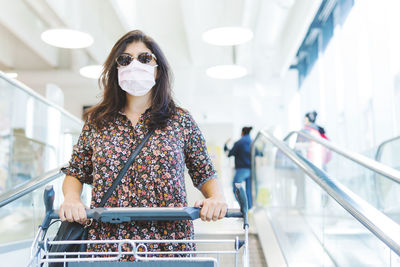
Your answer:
<point x="125" y="59"/>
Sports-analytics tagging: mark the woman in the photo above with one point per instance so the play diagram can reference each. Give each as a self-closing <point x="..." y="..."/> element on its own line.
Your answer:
<point x="306" y="195"/>
<point x="316" y="153"/>
<point x="137" y="98"/>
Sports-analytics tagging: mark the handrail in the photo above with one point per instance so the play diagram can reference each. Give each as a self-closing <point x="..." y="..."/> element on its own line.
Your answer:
<point x="368" y="163"/>
<point x="378" y="154"/>
<point x="28" y="139"/>
<point x="29" y="91"/>
<point x="378" y="223"/>
<point x="378" y="157"/>
<point x="28" y="187"/>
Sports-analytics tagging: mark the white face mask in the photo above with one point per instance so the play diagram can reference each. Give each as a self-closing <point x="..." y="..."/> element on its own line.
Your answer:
<point x="137" y="78"/>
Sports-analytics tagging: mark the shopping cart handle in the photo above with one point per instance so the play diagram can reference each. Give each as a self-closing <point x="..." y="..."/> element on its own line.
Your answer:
<point x="48" y="198"/>
<point x="119" y="215"/>
<point x="242" y="198"/>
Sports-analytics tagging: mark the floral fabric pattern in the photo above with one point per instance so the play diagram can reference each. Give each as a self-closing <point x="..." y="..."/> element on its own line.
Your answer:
<point x="155" y="179"/>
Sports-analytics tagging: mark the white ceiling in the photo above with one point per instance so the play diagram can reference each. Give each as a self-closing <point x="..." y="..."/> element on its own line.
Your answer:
<point x="177" y="25"/>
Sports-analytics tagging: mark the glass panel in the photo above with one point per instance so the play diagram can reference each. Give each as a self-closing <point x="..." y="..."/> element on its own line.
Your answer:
<point x="389" y="191"/>
<point x="390" y="153"/>
<point x="35" y="136"/>
<point x="395" y="259"/>
<point x="311" y="227"/>
<point x="357" y="178"/>
<point x="290" y="198"/>
<point x="20" y="219"/>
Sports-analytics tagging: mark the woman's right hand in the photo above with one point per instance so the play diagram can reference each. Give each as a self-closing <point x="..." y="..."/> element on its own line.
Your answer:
<point x="72" y="210"/>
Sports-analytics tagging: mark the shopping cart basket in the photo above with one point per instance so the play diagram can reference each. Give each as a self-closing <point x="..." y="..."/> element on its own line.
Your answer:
<point x="42" y="256"/>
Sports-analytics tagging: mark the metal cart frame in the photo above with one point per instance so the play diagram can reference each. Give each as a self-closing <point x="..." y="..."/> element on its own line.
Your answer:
<point x="41" y="256"/>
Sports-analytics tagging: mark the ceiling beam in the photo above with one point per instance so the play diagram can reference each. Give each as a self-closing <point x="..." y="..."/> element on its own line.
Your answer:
<point x="23" y="24"/>
<point x="6" y="48"/>
<point x="301" y="17"/>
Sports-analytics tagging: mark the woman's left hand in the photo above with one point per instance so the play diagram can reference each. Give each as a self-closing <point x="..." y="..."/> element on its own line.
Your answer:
<point x="213" y="208"/>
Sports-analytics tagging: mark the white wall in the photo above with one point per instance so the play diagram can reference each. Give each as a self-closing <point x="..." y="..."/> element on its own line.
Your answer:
<point x="354" y="84"/>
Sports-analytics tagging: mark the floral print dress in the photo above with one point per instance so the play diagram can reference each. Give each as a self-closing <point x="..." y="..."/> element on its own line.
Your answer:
<point x="155" y="179"/>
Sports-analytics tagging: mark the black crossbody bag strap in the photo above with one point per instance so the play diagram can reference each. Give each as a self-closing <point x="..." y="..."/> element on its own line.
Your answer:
<point x="125" y="169"/>
<point x="76" y="231"/>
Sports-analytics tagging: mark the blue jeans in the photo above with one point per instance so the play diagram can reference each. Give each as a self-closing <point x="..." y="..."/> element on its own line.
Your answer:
<point x="243" y="175"/>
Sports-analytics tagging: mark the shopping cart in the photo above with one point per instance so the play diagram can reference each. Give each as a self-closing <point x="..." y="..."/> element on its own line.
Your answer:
<point x="42" y="256"/>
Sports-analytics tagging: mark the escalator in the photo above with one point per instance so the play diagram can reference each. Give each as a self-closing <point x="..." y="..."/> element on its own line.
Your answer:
<point x="315" y="214"/>
<point x="388" y="192"/>
<point x="309" y="212"/>
<point x="37" y="127"/>
<point x="36" y="139"/>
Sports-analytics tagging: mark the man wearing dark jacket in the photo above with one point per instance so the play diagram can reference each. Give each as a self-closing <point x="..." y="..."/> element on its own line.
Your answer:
<point x="241" y="151"/>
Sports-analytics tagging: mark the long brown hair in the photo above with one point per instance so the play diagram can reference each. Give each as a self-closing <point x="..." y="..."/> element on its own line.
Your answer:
<point x="114" y="98"/>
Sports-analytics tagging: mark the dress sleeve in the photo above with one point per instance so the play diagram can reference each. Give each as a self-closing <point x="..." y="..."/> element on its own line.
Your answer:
<point x="81" y="166"/>
<point x="197" y="159"/>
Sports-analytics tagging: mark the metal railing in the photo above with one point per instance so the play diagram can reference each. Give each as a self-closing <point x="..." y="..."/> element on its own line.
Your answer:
<point x="368" y="163"/>
<point x="35" y="183"/>
<point x="30" y="186"/>
<point x="379" y="151"/>
<point x="23" y="137"/>
<point x="37" y="96"/>
<point x="375" y="221"/>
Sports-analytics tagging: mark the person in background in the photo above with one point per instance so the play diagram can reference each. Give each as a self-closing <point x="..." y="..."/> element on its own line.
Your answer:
<point x="310" y="125"/>
<point x="316" y="153"/>
<point x="241" y="150"/>
<point x="307" y="196"/>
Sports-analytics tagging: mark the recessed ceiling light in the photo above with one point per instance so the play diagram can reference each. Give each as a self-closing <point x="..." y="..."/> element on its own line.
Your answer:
<point x="228" y="36"/>
<point x="67" y="38"/>
<point x="91" y="71"/>
<point x="12" y="74"/>
<point x="226" y="72"/>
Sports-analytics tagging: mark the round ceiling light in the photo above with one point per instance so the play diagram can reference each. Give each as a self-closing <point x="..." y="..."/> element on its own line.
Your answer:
<point x="91" y="71"/>
<point x="228" y="36"/>
<point x="226" y="72"/>
<point x="67" y="38"/>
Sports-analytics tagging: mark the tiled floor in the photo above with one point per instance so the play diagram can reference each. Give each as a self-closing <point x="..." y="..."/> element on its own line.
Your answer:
<point x="256" y="255"/>
<point x="228" y="229"/>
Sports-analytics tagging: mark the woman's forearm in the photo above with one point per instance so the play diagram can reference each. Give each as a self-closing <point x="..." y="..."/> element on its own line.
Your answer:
<point x="214" y="206"/>
<point x="72" y="188"/>
<point x="211" y="188"/>
<point x="72" y="209"/>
